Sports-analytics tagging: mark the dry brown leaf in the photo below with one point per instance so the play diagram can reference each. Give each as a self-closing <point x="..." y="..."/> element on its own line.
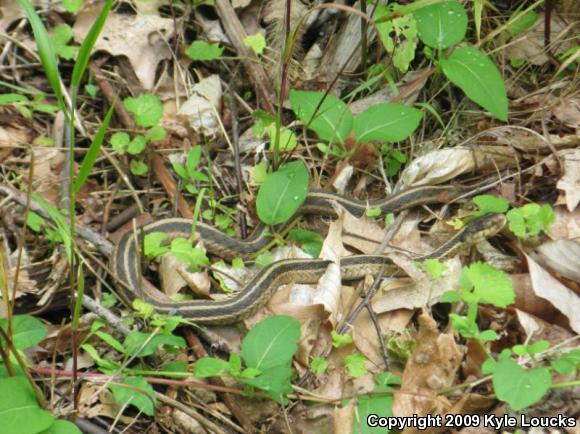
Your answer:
<point x="530" y="45"/>
<point x="365" y="335"/>
<point x="140" y="38"/>
<point x="202" y="108"/>
<point x="10" y="11"/>
<point x="433" y="366"/>
<point x="527" y="301"/>
<point x="570" y="182"/>
<point x="420" y="293"/>
<point x="439" y="166"/>
<point x="568" y="112"/>
<point x="363" y="234"/>
<point x="567" y="224"/>
<point x="561" y="256"/>
<point x="344" y="417"/>
<point x="561" y="297"/>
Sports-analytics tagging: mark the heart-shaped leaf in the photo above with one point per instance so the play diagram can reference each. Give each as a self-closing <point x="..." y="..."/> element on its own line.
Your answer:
<point x="520" y="387"/>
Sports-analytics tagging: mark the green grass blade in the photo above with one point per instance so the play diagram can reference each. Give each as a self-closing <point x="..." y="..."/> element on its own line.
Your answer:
<point x="88" y="44"/>
<point x="45" y="51"/>
<point x="93" y="152"/>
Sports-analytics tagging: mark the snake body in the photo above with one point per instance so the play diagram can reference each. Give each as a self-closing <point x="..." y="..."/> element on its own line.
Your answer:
<point x="126" y="259"/>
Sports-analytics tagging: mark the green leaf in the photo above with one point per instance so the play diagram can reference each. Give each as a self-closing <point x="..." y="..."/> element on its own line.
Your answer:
<point x="529" y="220"/>
<point x="332" y="121"/>
<point x="318" y="365"/>
<point x="282" y="193"/>
<point x="488" y="284"/>
<point x="62" y="427"/>
<point x="111" y="341"/>
<point x="490" y="204"/>
<point x="522" y="21"/>
<point x="477" y="76"/>
<point x="287" y="139"/>
<point x="45" y="51"/>
<point x="61" y="36"/>
<point x="520" y="387"/>
<point x="271" y="343"/>
<point x="256" y="42"/>
<point x="11" y="98"/>
<point x="93" y="152"/>
<point x="441" y="25"/>
<point x="194" y="257"/>
<point x="275" y="382"/>
<point x="138" y="168"/>
<point x="310" y="241"/>
<point x="146" y="108"/>
<point x="339" y="340"/>
<point x="34" y="221"/>
<point x="399" y="37"/>
<point x="386" y="122"/>
<point x="355" y="365"/>
<point x="143" y="398"/>
<point x="137" y="145"/>
<point x="155" y="134"/>
<point x="210" y="367"/>
<point x="193" y="159"/>
<point x="119" y="142"/>
<point x="136" y="340"/>
<point x="201" y="50"/>
<point x="434" y="268"/>
<point x="152" y="247"/>
<point x="372" y="404"/>
<point x="72" y="6"/>
<point x="464" y="326"/>
<point x="568" y="363"/>
<point x="88" y="44"/>
<point x="19" y="409"/>
<point x="27" y="331"/>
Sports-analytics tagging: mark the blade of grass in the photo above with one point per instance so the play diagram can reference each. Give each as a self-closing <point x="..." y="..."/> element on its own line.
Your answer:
<point x="94" y="149"/>
<point x="45" y="52"/>
<point x="88" y="44"/>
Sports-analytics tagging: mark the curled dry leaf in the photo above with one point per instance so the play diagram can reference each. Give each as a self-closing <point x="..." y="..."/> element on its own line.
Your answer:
<point x="174" y="276"/>
<point x="432" y="366"/>
<point x="561" y="256"/>
<point x="140" y="38"/>
<point x="570" y="182"/>
<point x="329" y="290"/>
<point x="202" y="108"/>
<point x="549" y="288"/>
<point x="10" y="11"/>
<point x="443" y="165"/>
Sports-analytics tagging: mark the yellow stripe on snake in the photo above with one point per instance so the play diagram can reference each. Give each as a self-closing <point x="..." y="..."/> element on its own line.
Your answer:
<point x="125" y="259"/>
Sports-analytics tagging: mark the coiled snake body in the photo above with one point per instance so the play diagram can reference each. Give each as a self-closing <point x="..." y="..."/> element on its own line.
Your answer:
<point x="125" y="258"/>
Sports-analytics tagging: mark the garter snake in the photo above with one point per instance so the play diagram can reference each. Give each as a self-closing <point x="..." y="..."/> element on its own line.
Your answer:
<point x="125" y="258"/>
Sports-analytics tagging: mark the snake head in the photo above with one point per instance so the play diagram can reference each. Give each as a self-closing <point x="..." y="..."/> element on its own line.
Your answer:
<point x="483" y="227"/>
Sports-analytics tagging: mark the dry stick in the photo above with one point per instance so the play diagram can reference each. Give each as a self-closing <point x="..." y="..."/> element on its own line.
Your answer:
<point x="236" y="34"/>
